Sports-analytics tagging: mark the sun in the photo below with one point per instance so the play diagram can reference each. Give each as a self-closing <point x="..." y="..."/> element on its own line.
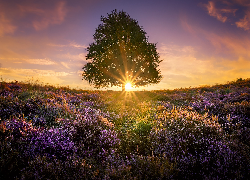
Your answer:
<point x="128" y="86"/>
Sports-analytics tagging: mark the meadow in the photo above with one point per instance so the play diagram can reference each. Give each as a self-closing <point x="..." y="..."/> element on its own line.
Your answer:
<point x="61" y="133"/>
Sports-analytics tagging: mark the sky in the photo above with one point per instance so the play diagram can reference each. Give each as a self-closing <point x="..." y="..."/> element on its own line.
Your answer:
<point x="201" y="42"/>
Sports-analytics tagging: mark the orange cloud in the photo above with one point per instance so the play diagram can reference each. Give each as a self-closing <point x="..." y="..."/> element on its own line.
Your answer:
<point x="240" y="65"/>
<point x="44" y="61"/>
<point x="40" y="61"/>
<point x="187" y="70"/>
<point x="60" y="78"/>
<point x="25" y="48"/>
<point x="47" y="17"/>
<point x="239" y="68"/>
<point x="49" y="76"/>
<point x="181" y="60"/>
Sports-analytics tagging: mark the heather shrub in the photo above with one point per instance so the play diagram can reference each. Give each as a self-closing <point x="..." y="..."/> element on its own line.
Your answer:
<point x="43" y="167"/>
<point x="198" y="146"/>
<point x="95" y="139"/>
<point x="13" y="148"/>
<point x="151" y="167"/>
<point x="190" y="133"/>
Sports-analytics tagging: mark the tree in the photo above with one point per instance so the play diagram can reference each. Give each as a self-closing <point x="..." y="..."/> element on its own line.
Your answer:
<point x="121" y="54"/>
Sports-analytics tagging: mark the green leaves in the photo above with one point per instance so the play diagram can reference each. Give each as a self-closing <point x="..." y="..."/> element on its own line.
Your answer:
<point x="121" y="53"/>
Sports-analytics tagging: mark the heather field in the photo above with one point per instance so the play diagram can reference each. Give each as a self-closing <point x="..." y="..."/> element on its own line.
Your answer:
<point x="61" y="133"/>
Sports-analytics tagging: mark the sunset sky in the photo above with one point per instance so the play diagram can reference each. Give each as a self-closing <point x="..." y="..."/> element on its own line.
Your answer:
<point x="201" y="42"/>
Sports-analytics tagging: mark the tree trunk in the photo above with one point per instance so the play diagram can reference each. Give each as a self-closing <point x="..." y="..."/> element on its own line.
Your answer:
<point x="123" y="87"/>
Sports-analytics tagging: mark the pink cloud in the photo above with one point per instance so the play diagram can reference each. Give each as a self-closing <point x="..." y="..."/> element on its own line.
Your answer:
<point x="46" y="17"/>
<point x="229" y="43"/>
<point x="212" y="11"/>
<point x="188" y="27"/>
<point x="78" y="46"/>
<point x="222" y="13"/>
<point x="219" y="13"/>
<point x="245" y="22"/>
<point x="242" y="2"/>
<point x="5" y="25"/>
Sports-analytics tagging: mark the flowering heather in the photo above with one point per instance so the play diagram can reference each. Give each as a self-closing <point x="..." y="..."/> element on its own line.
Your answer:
<point x="60" y="133"/>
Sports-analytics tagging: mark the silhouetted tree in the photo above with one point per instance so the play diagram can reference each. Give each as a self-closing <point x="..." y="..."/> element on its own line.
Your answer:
<point x="120" y="54"/>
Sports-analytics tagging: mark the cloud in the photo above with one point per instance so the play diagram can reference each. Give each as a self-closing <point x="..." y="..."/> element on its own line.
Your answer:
<point x="51" y="73"/>
<point x="31" y="61"/>
<point x="79" y="73"/>
<point x="230" y="59"/>
<point x="223" y="14"/>
<point x="180" y="64"/>
<point x="65" y="65"/>
<point x="225" y="44"/>
<point x="61" y="78"/>
<point x="175" y="50"/>
<point x="212" y="11"/>
<point x="230" y="44"/>
<point x="233" y="69"/>
<point x="47" y="17"/>
<point x="186" y="26"/>
<point x="73" y="44"/>
<point x="40" y="61"/>
<point x="6" y="26"/>
<point x="42" y="76"/>
<point x="73" y="57"/>
<point x="73" y="61"/>
<point x="219" y="13"/>
<point x="182" y="68"/>
<point x="241" y="2"/>
<point x="241" y="64"/>
<point x="181" y="59"/>
<point x="33" y="72"/>
<point x="245" y="22"/>
<point x="57" y="45"/>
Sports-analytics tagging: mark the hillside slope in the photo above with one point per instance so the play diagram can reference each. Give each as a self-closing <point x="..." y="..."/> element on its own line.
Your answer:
<point x="61" y="133"/>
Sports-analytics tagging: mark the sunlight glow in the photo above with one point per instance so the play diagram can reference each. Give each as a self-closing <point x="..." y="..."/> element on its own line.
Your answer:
<point x="128" y="86"/>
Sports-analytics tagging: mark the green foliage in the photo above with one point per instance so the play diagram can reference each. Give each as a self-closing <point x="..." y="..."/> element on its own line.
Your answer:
<point x="121" y="53"/>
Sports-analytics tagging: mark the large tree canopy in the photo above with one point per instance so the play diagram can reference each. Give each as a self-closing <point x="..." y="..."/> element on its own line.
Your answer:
<point x="120" y="54"/>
